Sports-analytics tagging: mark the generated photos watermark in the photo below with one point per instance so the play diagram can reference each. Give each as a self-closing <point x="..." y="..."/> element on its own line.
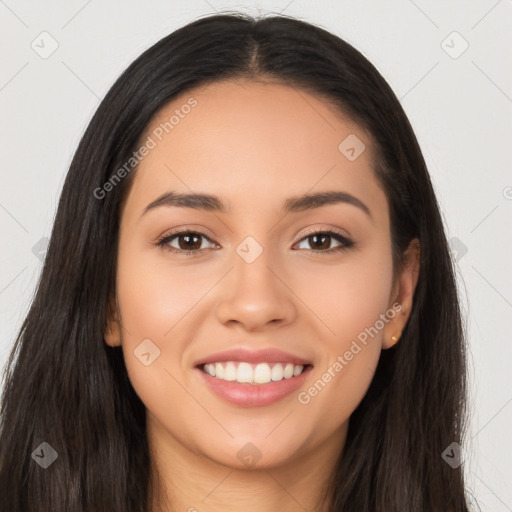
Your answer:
<point x="305" y="397"/>
<point x="150" y="143"/>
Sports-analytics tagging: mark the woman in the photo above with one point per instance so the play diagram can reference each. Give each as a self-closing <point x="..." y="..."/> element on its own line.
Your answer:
<point x="248" y="298"/>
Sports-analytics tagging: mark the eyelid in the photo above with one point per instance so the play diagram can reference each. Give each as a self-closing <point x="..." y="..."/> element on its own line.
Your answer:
<point x="312" y="231"/>
<point x="182" y="230"/>
<point x="328" y="229"/>
<point x="345" y="240"/>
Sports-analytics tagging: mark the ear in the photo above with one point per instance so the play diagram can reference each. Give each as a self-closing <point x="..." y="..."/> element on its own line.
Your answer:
<point x="112" y="333"/>
<point x="402" y="295"/>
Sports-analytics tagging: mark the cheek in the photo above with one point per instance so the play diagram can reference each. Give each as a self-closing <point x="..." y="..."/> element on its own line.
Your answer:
<point x="152" y="301"/>
<point x="349" y="297"/>
<point x="338" y="386"/>
<point x="153" y="296"/>
<point x="350" y="300"/>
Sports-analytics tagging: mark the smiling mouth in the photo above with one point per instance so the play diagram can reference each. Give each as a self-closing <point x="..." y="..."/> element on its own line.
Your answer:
<point x="247" y="373"/>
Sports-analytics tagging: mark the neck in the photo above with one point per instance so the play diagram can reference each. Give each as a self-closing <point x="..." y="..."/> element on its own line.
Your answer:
<point x="191" y="482"/>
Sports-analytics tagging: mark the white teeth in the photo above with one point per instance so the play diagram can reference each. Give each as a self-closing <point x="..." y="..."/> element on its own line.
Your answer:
<point x="219" y="370"/>
<point x="229" y="372"/>
<point x="244" y="373"/>
<point x="277" y="372"/>
<point x="261" y="373"/>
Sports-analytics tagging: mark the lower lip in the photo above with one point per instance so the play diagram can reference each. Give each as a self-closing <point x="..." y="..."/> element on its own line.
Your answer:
<point x="254" y="395"/>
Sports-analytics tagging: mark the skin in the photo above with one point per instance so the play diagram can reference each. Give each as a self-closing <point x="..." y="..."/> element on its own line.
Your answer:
<point x="254" y="145"/>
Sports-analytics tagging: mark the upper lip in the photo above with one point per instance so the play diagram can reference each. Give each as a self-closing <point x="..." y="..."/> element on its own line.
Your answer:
<point x="268" y="355"/>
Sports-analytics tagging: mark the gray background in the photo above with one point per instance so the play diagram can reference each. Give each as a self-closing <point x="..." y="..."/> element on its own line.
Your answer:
<point x="459" y="103"/>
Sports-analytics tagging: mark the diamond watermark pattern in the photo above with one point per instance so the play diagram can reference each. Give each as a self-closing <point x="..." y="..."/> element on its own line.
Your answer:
<point x="457" y="248"/>
<point x="351" y="147"/>
<point x="45" y="455"/>
<point x="454" y="45"/>
<point x="44" y="45"/>
<point x="39" y="249"/>
<point x="452" y="455"/>
<point x="249" y="249"/>
<point x="249" y="455"/>
<point x="147" y="352"/>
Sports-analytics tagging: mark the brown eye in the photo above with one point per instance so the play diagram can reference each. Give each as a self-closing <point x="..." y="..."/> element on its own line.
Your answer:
<point x="190" y="241"/>
<point x="320" y="242"/>
<point x="187" y="242"/>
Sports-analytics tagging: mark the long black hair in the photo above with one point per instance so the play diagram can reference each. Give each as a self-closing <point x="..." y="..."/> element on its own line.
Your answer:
<point x="64" y="386"/>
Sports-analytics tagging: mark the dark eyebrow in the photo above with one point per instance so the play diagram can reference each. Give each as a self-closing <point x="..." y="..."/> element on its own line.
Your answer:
<point x="213" y="203"/>
<point x="311" y="201"/>
<point x="206" y="202"/>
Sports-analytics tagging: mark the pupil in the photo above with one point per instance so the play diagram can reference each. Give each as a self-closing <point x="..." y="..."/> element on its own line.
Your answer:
<point x="187" y="243"/>
<point x="324" y="245"/>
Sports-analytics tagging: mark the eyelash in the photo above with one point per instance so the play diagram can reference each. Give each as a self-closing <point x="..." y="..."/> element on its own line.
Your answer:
<point x="346" y="243"/>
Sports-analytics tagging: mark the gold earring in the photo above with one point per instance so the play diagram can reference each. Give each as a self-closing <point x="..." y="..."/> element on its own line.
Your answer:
<point x="395" y="337"/>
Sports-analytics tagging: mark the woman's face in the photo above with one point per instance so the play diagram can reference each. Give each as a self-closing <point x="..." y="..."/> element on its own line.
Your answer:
<point x="256" y="280"/>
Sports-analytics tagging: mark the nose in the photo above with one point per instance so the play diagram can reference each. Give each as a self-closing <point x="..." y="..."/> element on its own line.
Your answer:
<point x="256" y="295"/>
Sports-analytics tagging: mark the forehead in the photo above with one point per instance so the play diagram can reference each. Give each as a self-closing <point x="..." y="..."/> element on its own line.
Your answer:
<point x="252" y="141"/>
